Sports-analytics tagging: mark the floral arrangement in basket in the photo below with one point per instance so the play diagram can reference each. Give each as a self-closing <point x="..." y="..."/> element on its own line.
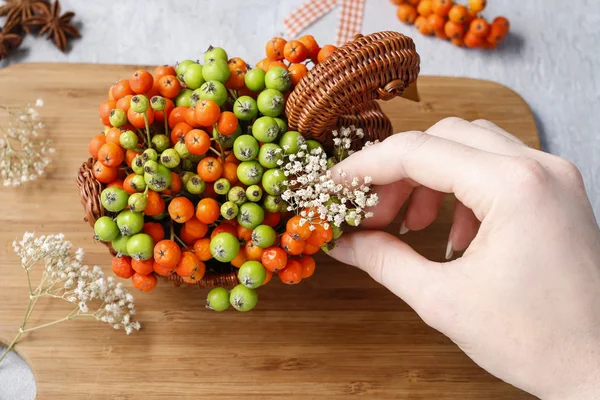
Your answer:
<point x="217" y="174"/>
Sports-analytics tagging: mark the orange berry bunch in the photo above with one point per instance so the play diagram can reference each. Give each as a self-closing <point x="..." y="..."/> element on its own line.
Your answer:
<point x="449" y="20"/>
<point x="294" y="54"/>
<point x="190" y="162"/>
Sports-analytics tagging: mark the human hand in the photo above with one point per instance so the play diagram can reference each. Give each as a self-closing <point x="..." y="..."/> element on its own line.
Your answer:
<point x="524" y="299"/>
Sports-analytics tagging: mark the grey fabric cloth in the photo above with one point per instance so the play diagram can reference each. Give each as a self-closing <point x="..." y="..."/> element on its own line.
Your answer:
<point x="550" y="58"/>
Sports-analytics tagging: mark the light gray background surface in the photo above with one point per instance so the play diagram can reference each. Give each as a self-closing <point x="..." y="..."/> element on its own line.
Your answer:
<point x="551" y="58"/>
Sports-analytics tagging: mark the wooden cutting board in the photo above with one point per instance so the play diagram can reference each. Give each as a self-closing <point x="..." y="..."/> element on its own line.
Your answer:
<point x="334" y="336"/>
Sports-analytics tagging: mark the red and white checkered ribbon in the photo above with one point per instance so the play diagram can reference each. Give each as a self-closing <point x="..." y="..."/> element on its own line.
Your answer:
<point x="350" y="23"/>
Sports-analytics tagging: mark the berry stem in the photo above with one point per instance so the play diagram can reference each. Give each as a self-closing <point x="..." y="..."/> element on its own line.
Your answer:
<point x="147" y="127"/>
<point x="10" y="346"/>
<point x="180" y="241"/>
<point x="216" y="151"/>
<point x="172" y="230"/>
<point x="166" y="127"/>
<point x="33" y="299"/>
<point x="222" y="154"/>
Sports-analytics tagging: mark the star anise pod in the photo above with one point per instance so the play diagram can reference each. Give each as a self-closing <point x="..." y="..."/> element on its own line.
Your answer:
<point x="18" y="11"/>
<point x="55" y="26"/>
<point x="8" y="41"/>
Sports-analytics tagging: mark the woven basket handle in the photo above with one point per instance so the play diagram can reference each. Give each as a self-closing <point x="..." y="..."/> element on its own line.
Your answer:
<point x="343" y="88"/>
<point x="391" y="90"/>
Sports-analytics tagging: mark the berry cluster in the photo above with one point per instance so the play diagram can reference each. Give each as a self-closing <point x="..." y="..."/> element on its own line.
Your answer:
<point x="463" y="25"/>
<point x="193" y="166"/>
<point x="295" y="52"/>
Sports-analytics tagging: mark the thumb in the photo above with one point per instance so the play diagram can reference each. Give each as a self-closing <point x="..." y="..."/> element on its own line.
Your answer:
<point x="416" y="280"/>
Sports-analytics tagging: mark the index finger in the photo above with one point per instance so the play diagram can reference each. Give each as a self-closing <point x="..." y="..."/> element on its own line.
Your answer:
<point x="440" y="164"/>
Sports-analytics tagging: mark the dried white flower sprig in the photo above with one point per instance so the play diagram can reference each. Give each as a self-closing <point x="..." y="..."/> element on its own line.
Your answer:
<point x="314" y="194"/>
<point x="24" y="155"/>
<point x="65" y="277"/>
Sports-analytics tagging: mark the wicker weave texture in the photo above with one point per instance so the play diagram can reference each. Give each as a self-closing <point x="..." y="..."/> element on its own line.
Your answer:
<point x="341" y="90"/>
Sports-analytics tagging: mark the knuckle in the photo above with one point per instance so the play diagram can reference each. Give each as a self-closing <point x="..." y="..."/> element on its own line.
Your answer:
<point x="527" y="174"/>
<point x="569" y="171"/>
<point x="484" y="123"/>
<point x="407" y="142"/>
<point x="447" y="123"/>
<point x="375" y="264"/>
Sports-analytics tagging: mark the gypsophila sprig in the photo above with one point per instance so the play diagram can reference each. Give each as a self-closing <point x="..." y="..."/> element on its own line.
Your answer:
<point x="24" y="155"/>
<point x="65" y="277"/>
<point x="314" y="194"/>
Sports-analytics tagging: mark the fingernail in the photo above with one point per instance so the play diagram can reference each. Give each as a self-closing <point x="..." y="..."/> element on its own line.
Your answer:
<point x="403" y="228"/>
<point x="449" y="250"/>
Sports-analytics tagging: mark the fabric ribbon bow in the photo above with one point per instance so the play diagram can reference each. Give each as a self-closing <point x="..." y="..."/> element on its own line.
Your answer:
<point x="350" y="23"/>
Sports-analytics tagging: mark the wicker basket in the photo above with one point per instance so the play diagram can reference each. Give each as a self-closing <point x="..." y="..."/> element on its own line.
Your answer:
<point x="340" y="91"/>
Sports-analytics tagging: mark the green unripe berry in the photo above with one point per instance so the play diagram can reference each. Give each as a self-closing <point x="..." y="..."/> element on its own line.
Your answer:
<point x="351" y="220"/>
<point x="117" y="118"/>
<point x="158" y="103"/>
<point x="161" y="142"/>
<point x="139" y="103"/>
<point x="138" y="183"/>
<point x="216" y="53"/>
<point x="272" y="203"/>
<point x="106" y="229"/>
<point x="243" y="298"/>
<point x="269" y="154"/>
<point x="195" y="185"/>
<point x="291" y="141"/>
<point x="182" y="67"/>
<point x="114" y="199"/>
<point x="251" y="215"/>
<point x="222" y="186"/>
<point x="283" y="126"/>
<point x="245" y="108"/>
<point x="273" y="181"/>
<point x="312" y="145"/>
<point x="120" y="245"/>
<point x="237" y="195"/>
<point x="255" y="79"/>
<point x="149" y="154"/>
<point x="137" y="165"/>
<point x="183" y="98"/>
<point x="278" y="78"/>
<point x="252" y="274"/>
<point x="193" y="76"/>
<point x="264" y="236"/>
<point x="185" y="177"/>
<point x="137" y="202"/>
<point x="254" y="193"/>
<point x="331" y="162"/>
<point x="229" y="210"/>
<point x="182" y="150"/>
<point x="170" y="158"/>
<point x="218" y="299"/>
<point x="265" y="129"/>
<point x="337" y="232"/>
<point x="150" y="167"/>
<point x="128" y="140"/>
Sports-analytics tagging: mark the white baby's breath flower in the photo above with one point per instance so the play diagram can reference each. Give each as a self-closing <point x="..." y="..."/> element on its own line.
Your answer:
<point x="23" y="156"/>
<point x="66" y="278"/>
<point x="310" y="185"/>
